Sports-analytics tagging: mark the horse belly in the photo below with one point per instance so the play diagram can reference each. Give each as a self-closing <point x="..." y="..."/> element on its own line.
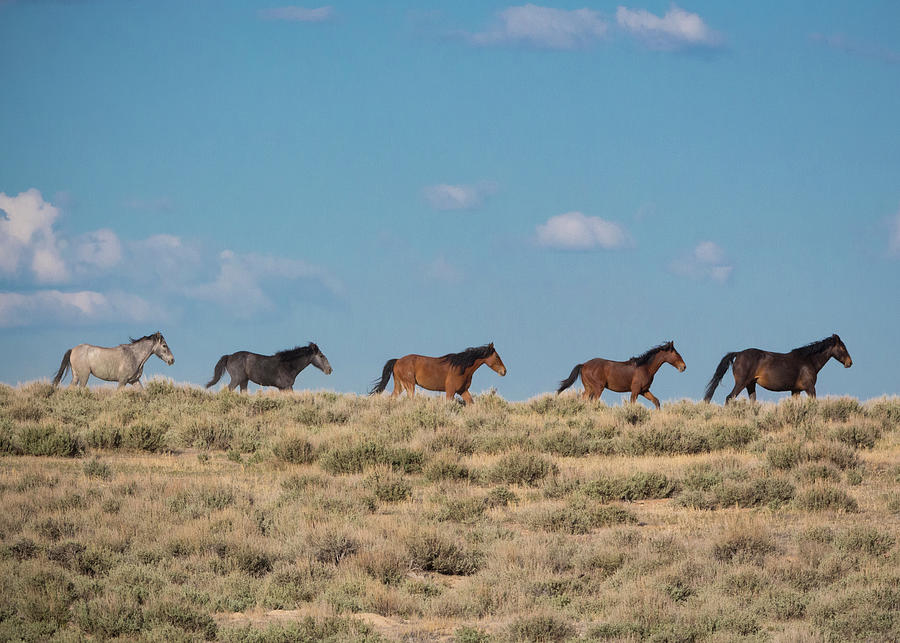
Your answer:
<point x="777" y="381"/>
<point x="104" y="363"/>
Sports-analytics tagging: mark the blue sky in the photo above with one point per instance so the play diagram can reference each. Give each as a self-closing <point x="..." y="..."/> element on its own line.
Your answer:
<point x="568" y="180"/>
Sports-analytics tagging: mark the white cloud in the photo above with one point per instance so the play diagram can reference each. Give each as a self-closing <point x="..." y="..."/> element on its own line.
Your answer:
<point x="677" y="29"/>
<point x="239" y="283"/>
<point x="458" y="197"/>
<point x="101" y="249"/>
<point x="27" y="236"/>
<point x="706" y="261"/>
<point x="442" y="270"/>
<point x="297" y="14"/>
<point x="857" y="48"/>
<point x="894" y="234"/>
<point x="155" y="204"/>
<point x="85" y="306"/>
<point x="543" y="27"/>
<point x="575" y="231"/>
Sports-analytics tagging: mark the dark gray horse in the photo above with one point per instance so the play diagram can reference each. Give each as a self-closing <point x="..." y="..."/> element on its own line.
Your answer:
<point x="278" y="370"/>
<point x="123" y="363"/>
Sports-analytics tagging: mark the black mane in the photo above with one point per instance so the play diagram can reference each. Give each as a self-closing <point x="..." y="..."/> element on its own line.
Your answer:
<point x="466" y="358"/>
<point x="154" y="336"/>
<point x="644" y="358"/>
<point x="290" y="354"/>
<point x="814" y="348"/>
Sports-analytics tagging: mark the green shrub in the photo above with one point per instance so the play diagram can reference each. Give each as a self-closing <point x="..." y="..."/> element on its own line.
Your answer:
<point x="785" y="456"/>
<point x="858" y="435"/>
<point x="356" y="458"/>
<point x="307" y="630"/>
<point x="389" y="487"/>
<point x="295" y="449"/>
<point x="444" y="468"/>
<point x="541" y="628"/>
<point x="566" y="443"/>
<point x="144" y="438"/>
<point x="95" y="468"/>
<point x="822" y="497"/>
<point x="332" y="545"/>
<point x="865" y="539"/>
<point x="581" y="517"/>
<point x="638" y="486"/>
<point x="434" y="551"/>
<point x="665" y="440"/>
<point x="184" y="618"/>
<point x="35" y="439"/>
<point x="522" y="468"/>
<point x="103" y="437"/>
<point x="465" y="510"/>
<point x="744" y="543"/>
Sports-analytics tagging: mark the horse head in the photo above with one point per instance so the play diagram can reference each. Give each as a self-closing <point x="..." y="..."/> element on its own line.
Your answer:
<point x="319" y="360"/>
<point x="674" y="358"/>
<point x="161" y="349"/>
<point x="493" y="360"/>
<point x="840" y="352"/>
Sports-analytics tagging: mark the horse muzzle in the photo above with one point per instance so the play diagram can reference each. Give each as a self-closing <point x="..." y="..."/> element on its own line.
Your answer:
<point x="328" y="371"/>
<point x="170" y="361"/>
<point x="502" y="372"/>
<point x="848" y="363"/>
<point x="682" y="368"/>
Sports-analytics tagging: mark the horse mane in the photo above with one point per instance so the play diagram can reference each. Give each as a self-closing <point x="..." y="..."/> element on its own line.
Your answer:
<point x="814" y="348"/>
<point x="140" y="339"/>
<point x="466" y="358"/>
<point x="645" y="357"/>
<point x="290" y="354"/>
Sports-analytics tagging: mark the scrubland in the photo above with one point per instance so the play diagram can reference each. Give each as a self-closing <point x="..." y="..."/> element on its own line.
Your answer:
<point x="175" y="514"/>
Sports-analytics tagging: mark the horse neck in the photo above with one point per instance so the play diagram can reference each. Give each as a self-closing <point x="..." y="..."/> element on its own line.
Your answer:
<point x="474" y="367"/>
<point x="820" y="359"/>
<point x="656" y="362"/>
<point x="143" y="349"/>
<point x="300" y="363"/>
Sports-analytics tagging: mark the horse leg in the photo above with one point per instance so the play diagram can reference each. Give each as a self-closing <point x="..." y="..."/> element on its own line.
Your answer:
<point x="811" y="391"/>
<point x="243" y="385"/>
<point x="734" y="392"/>
<point x="751" y="391"/>
<point x="650" y="396"/>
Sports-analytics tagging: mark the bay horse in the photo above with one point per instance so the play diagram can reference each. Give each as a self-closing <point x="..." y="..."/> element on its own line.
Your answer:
<point x="279" y="370"/>
<point x="795" y="371"/>
<point x="451" y="373"/>
<point x="123" y="363"/>
<point x="635" y="375"/>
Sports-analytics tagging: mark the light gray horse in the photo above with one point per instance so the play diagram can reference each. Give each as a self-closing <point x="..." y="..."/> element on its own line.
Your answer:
<point x="123" y="363"/>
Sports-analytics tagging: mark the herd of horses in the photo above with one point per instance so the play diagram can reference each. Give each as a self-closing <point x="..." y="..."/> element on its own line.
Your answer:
<point x="795" y="371"/>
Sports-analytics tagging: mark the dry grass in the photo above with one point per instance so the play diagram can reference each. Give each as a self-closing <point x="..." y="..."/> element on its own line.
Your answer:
<point x="176" y="514"/>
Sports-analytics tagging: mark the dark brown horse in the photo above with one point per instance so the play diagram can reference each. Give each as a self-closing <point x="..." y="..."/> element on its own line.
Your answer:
<point x="635" y="375"/>
<point x="451" y="373"/>
<point x="795" y="371"/>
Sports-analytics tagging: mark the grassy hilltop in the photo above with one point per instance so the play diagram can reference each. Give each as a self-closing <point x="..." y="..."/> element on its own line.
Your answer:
<point x="178" y="514"/>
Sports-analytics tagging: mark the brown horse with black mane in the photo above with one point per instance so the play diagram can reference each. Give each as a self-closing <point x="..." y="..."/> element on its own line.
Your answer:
<point x="451" y="373"/>
<point x="795" y="371"/>
<point x="635" y="375"/>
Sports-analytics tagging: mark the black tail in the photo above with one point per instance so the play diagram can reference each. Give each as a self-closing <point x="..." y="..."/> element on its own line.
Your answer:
<point x="63" y="367"/>
<point x="379" y="385"/>
<point x="220" y="368"/>
<point x="566" y="383"/>
<point x="719" y="374"/>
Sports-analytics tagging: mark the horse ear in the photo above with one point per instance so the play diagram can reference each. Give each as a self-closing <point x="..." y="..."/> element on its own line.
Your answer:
<point x="492" y="345"/>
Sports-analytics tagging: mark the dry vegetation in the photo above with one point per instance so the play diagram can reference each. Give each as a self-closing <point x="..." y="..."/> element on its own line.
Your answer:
<point x="176" y="514"/>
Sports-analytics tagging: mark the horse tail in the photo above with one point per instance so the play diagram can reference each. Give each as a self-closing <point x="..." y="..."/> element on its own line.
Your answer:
<point x="379" y="385"/>
<point x="66" y="363"/>
<point x="719" y="374"/>
<point x="219" y="370"/>
<point x="566" y="383"/>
